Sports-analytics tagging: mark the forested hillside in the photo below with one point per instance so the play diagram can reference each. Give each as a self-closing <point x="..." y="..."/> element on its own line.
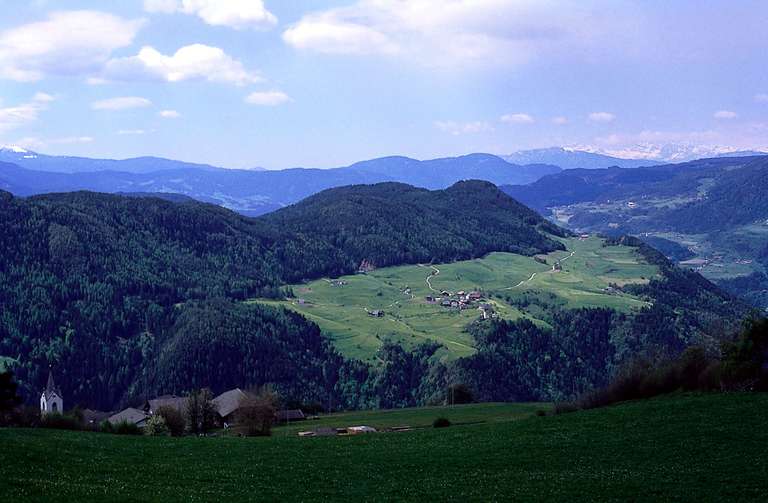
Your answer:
<point x="93" y="283"/>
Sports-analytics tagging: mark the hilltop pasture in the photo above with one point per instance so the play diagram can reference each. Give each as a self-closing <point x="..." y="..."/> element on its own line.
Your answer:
<point x="342" y="306"/>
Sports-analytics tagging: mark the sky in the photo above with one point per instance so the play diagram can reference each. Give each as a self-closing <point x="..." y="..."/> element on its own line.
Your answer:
<point x="289" y="83"/>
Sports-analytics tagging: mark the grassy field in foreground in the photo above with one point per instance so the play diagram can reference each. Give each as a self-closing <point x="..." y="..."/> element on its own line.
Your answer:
<point x="587" y="269"/>
<point x="421" y="417"/>
<point x="681" y="448"/>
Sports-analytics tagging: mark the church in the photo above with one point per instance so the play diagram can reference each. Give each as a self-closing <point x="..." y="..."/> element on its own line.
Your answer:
<point x="51" y="400"/>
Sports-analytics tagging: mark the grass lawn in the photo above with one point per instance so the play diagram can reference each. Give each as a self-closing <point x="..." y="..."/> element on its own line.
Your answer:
<point x="678" y="448"/>
<point x="421" y="417"/>
<point x="587" y="269"/>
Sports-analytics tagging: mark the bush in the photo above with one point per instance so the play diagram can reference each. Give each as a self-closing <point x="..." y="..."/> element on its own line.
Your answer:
<point x="60" y="422"/>
<point x="126" y="428"/>
<point x="745" y="361"/>
<point x="156" y="427"/>
<point x="106" y="427"/>
<point x="258" y="413"/>
<point x="174" y="420"/>
<point x="441" y="422"/>
<point x="8" y="397"/>
<point x="201" y="412"/>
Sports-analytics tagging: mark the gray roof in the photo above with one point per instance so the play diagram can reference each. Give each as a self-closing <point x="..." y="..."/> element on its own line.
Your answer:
<point x="229" y="401"/>
<point x="129" y="415"/>
<point x="172" y="401"/>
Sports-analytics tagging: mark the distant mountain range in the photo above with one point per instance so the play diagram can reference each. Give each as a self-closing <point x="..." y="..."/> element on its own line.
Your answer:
<point x="251" y="192"/>
<point x="256" y="191"/>
<point x="574" y="159"/>
<point x="66" y="164"/>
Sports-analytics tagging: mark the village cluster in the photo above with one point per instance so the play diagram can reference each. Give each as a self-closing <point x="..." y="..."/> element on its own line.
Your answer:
<point x="462" y="300"/>
<point x="227" y="406"/>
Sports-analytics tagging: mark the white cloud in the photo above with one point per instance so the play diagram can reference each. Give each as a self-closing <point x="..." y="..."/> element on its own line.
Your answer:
<point x="326" y="33"/>
<point x="43" y="98"/>
<point x="131" y="132"/>
<point x="169" y="114"/>
<point x="460" y="128"/>
<point x="122" y="103"/>
<point x="559" y="121"/>
<point x="67" y="43"/>
<point x="517" y="119"/>
<point x="601" y="117"/>
<point x="163" y="6"/>
<point x="20" y="115"/>
<point x="761" y="97"/>
<point x="267" y="98"/>
<point x="35" y="143"/>
<point x="450" y="33"/>
<point x="725" y="114"/>
<point x="72" y="140"/>
<point x="191" y="62"/>
<point x="236" y="14"/>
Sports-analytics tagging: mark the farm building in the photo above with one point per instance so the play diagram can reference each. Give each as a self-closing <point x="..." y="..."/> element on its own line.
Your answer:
<point x="171" y="401"/>
<point x="131" y="416"/>
<point x="228" y="403"/>
<point x="376" y="313"/>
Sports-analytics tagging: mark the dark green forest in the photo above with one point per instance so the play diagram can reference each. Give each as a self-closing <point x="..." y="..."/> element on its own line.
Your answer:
<point x="128" y="297"/>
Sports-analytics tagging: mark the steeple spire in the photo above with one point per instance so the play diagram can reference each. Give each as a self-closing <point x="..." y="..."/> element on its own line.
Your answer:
<point x="50" y="387"/>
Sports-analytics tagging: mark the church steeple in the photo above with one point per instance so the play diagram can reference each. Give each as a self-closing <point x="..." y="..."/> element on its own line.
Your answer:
<point x="50" y="387"/>
<point x="51" y="399"/>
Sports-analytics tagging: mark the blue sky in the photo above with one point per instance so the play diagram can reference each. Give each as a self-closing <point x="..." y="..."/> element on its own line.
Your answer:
<point x="285" y="83"/>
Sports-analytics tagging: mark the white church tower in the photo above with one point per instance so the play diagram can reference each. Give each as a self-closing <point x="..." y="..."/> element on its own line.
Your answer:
<point x="51" y="400"/>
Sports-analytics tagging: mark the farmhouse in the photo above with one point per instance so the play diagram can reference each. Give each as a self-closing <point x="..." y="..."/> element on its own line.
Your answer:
<point x="130" y="415"/>
<point x="171" y="401"/>
<point x="228" y="404"/>
<point x="92" y="418"/>
<point x="376" y="313"/>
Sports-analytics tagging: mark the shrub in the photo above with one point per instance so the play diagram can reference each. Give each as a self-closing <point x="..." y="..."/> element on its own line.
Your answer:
<point x="8" y="397"/>
<point x="156" y="427"/>
<point x="126" y="428"/>
<point x="174" y="420"/>
<point x="106" y="427"/>
<point x="541" y="413"/>
<point x="257" y="413"/>
<point x="201" y="412"/>
<point x="745" y="361"/>
<point x="441" y="422"/>
<point x="60" y="422"/>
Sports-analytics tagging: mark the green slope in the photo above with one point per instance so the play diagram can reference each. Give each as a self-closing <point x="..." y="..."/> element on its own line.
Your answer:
<point x="683" y="448"/>
<point x="588" y="268"/>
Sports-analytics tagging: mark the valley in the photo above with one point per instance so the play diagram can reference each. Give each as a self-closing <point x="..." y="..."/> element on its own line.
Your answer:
<point x="709" y="215"/>
<point x="588" y="274"/>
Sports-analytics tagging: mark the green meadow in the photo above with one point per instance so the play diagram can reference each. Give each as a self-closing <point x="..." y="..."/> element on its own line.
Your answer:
<point x="709" y="447"/>
<point x="340" y="307"/>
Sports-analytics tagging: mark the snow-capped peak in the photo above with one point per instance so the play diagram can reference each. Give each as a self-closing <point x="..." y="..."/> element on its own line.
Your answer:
<point x="15" y="149"/>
